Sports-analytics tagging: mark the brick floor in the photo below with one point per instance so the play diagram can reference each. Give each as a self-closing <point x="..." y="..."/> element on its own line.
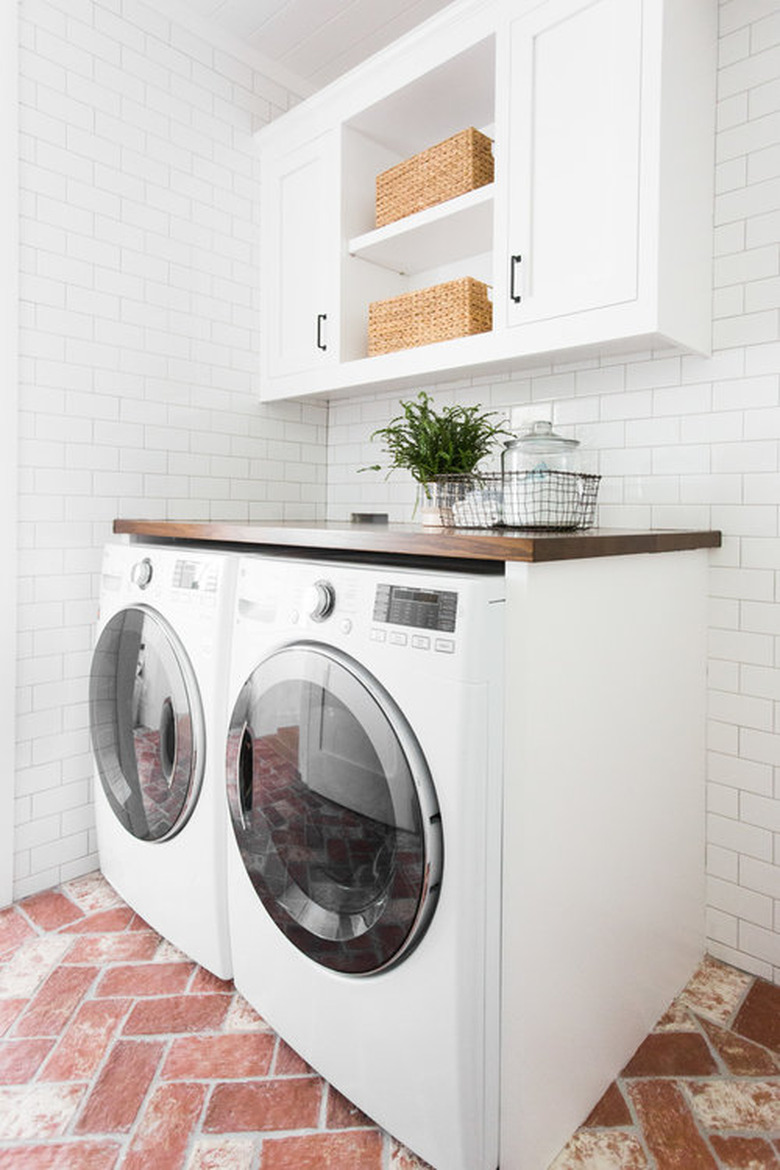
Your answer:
<point x="118" y="1051"/>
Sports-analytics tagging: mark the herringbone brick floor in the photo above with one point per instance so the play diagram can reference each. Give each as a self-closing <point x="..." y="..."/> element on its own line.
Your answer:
<point x="117" y="1051"/>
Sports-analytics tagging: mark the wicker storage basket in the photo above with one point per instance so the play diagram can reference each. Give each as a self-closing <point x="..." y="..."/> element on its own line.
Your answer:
<point x="441" y="172"/>
<point x="454" y="309"/>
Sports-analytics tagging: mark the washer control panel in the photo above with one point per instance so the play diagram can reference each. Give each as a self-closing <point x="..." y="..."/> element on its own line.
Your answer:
<point x="422" y="609"/>
<point x="195" y="576"/>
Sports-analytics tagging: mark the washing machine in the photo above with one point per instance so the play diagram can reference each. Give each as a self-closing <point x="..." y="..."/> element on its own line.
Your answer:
<point x="363" y="774"/>
<point x="158" y="715"/>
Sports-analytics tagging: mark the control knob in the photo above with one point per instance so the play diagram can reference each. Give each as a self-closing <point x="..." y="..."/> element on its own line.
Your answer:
<point x="141" y="573"/>
<point x="319" y="600"/>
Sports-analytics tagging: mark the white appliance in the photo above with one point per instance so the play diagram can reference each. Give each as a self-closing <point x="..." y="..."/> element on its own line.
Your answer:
<point x="364" y="790"/>
<point x="158" y="717"/>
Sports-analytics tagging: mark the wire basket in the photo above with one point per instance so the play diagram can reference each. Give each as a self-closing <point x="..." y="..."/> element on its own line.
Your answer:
<point x="549" y="499"/>
<point x="538" y="499"/>
<point x="465" y="501"/>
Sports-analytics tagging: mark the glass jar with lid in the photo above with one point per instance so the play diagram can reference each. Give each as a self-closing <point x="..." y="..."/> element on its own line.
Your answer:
<point x="543" y="481"/>
<point x="539" y="448"/>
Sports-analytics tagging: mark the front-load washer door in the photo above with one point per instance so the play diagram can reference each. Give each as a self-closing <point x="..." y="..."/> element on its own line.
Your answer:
<point x="147" y="726"/>
<point x="333" y="809"/>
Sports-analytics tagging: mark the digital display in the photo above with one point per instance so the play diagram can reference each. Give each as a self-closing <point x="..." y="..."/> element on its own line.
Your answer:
<point x="423" y="609"/>
<point x="417" y="595"/>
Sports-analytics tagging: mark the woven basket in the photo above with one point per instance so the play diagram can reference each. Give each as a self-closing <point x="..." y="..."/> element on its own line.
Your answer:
<point x="443" y="311"/>
<point x="459" y="164"/>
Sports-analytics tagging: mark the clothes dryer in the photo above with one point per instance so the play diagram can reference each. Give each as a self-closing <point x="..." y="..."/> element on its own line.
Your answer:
<point x="158" y="721"/>
<point x="364" y="788"/>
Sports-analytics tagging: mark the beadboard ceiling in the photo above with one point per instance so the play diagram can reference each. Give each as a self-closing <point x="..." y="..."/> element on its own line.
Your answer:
<point x="314" y="41"/>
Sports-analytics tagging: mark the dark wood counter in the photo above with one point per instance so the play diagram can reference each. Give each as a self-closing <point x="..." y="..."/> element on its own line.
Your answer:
<point x="414" y="540"/>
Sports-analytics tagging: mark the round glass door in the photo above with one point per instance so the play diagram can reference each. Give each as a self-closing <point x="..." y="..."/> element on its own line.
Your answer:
<point x="333" y="809"/>
<point x="146" y="723"/>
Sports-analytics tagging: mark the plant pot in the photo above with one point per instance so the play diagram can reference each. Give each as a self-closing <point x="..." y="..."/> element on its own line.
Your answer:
<point x="427" y="509"/>
<point x="437" y="497"/>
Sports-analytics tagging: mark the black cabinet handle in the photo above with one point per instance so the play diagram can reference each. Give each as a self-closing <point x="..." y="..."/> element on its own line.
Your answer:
<point x="320" y="318"/>
<point x="514" y="264"/>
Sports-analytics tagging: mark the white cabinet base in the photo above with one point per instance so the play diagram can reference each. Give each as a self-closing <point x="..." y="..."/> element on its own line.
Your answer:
<point x="603" y="918"/>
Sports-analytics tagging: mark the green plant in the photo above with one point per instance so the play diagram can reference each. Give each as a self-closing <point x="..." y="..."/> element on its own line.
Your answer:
<point x="429" y="443"/>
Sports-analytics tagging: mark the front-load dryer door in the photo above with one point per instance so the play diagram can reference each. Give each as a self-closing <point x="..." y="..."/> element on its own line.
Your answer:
<point x="147" y="724"/>
<point x="333" y="809"/>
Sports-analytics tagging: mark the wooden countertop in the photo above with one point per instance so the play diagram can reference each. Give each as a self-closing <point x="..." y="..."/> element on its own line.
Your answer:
<point x="495" y="544"/>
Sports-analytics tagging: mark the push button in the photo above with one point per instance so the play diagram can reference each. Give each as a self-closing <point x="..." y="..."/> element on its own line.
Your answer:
<point x="420" y="642"/>
<point x="378" y="635"/>
<point x="444" y="646"/>
<point x="398" y="639"/>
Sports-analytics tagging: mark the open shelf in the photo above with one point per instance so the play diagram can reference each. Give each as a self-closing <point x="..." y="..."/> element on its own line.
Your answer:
<point x="438" y="235"/>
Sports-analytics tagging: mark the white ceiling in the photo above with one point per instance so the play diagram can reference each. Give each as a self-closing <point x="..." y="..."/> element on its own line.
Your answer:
<point x="312" y="40"/>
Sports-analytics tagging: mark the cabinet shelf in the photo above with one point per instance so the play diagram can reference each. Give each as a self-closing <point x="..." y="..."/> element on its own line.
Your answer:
<point x="448" y="232"/>
<point x="595" y="238"/>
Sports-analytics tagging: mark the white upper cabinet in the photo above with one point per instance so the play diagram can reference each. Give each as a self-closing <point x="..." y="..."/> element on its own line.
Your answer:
<point x="573" y="132"/>
<point x="595" y="236"/>
<point x="300" y="259"/>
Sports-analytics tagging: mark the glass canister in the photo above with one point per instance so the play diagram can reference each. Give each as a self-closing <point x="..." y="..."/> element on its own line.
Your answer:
<point x="543" y="483"/>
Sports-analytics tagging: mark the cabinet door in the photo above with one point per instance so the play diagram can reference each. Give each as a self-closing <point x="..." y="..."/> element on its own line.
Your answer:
<point x="573" y="157"/>
<point x="299" y="258"/>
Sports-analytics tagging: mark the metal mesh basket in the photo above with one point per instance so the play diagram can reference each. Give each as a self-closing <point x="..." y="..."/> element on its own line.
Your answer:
<point x="541" y="499"/>
<point x="466" y="501"/>
<point x="549" y="499"/>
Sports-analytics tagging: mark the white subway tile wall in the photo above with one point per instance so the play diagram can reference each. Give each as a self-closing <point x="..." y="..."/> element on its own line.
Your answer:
<point x="139" y="352"/>
<point x="138" y="361"/>
<point x="684" y="441"/>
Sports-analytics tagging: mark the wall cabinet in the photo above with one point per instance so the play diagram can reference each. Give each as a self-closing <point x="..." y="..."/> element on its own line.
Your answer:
<point x="573" y="153"/>
<point x="595" y="236"/>
<point x="300" y="260"/>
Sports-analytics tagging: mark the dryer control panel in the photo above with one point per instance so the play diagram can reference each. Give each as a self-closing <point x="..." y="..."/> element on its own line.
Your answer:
<point x="423" y="609"/>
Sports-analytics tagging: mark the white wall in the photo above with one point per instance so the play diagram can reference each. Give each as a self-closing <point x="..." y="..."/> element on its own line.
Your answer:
<point x="138" y="353"/>
<point x="687" y="441"/>
<point x="9" y="324"/>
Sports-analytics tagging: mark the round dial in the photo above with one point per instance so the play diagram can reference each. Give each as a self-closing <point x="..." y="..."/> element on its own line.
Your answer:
<point x="141" y="573"/>
<point x="319" y="600"/>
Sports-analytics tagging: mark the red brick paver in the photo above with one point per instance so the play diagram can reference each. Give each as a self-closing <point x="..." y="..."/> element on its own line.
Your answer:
<point x="289" y="1103"/>
<point x="353" y="1151"/>
<point x="113" y="1104"/>
<point x="228" y="1057"/>
<point x="14" y="929"/>
<point x="56" y="1001"/>
<point x="51" y="909"/>
<point x="144" y="979"/>
<point x="61" y="1156"/>
<point x="163" y="1134"/>
<point x="86" y="1040"/>
<point x="670" y="1131"/>
<point x="177" y="1013"/>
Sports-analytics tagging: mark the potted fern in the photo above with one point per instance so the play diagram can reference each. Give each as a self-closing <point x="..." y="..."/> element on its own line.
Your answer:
<point x="435" y="446"/>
